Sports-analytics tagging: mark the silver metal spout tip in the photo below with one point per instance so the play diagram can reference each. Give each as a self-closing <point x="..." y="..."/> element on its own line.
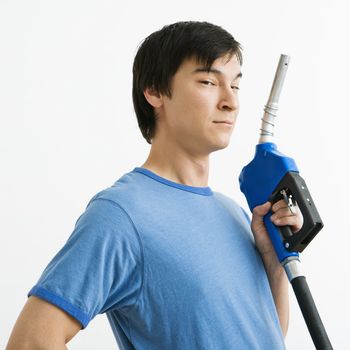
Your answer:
<point x="271" y="108"/>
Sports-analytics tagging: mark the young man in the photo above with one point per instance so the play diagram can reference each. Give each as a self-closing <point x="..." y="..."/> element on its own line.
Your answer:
<point x="172" y="263"/>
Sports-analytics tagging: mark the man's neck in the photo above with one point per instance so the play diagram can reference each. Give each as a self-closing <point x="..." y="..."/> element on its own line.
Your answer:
<point x="178" y="166"/>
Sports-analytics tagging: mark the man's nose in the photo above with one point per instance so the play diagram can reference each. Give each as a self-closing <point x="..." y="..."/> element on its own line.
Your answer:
<point x="229" y="100"/>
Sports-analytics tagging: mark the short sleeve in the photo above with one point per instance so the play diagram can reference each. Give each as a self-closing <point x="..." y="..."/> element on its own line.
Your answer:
<point x="99" y="268"/>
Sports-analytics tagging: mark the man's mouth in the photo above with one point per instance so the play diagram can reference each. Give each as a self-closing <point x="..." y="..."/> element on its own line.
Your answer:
<point x="227" y="122"/>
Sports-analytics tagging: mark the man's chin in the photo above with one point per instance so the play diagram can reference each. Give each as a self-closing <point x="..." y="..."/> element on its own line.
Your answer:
<point x="220" y="146"/>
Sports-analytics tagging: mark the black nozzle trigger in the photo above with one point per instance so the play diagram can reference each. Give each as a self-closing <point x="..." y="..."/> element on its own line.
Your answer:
<point x="292" y="188"/>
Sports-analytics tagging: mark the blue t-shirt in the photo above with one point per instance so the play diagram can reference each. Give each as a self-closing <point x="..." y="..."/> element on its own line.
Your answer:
<point x="173" y="267"/>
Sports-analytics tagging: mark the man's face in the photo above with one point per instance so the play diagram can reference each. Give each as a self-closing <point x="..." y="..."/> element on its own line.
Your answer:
<point x="200" y="114"/>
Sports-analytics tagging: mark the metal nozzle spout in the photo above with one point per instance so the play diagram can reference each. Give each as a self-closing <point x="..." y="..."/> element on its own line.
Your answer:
<point x="267" y="125"/>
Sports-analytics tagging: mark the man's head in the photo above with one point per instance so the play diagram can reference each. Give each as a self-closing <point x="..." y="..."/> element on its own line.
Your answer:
<point x="163" y="52"/>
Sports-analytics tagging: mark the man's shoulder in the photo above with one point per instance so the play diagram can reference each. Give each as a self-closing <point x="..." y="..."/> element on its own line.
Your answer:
<point x="225" y="200"/>
<point x="231" y="205"/>
<point x="126" y="188"/>
<point x="108" y="211"/>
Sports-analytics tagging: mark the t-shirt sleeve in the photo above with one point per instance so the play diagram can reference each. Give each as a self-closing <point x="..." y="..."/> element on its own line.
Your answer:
<point x="100" y="266"/>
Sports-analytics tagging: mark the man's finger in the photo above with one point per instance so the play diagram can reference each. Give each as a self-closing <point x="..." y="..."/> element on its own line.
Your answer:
<point x="286" y="221"/>
<point x="282" y="212"/>
<point x="279" y="205"/>
<point x="262" y="209"/>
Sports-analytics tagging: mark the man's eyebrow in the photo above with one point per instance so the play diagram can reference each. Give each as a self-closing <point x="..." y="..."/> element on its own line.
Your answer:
<point x="214" y="71"/>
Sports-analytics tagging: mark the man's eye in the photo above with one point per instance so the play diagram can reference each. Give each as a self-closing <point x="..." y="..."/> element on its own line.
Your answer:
<point x="235" y="87"/>
<point x="207" y="82"/>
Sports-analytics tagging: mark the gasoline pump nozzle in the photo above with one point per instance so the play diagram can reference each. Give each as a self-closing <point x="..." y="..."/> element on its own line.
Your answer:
<point x="272" y="176"/>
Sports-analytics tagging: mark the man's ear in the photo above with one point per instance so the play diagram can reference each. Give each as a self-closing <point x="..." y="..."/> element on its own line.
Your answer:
<point x="153" y="97"/>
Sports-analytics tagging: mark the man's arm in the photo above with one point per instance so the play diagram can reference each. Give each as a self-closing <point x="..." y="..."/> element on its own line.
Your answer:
<point x="42" y="325"/>
<point x="275" y="272"/>
<point x="279" y="285"/>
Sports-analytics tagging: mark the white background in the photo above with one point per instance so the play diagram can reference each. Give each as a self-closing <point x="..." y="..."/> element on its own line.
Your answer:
<point x="68" y="129"/>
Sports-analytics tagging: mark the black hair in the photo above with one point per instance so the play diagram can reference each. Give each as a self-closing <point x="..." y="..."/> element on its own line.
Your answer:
<point x="161" y="54"/>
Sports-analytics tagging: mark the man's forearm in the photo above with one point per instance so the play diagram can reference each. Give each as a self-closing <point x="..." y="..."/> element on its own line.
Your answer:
<point x="279" y="285"/>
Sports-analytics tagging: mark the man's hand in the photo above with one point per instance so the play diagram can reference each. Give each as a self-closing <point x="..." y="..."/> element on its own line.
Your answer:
<point x="282" y="217"/>
<point x="275" y="273"/>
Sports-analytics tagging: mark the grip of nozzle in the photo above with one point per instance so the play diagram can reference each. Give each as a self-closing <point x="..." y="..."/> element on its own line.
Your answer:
<point x="271" y="108"/>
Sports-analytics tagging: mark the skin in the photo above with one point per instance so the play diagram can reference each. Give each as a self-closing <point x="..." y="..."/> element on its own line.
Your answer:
<point x="42" y="326"/>
<point x="195" y="121"/>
